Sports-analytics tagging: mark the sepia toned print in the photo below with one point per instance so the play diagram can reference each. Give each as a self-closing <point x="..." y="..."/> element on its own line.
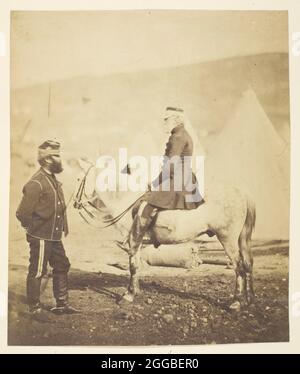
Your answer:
<point x="109" y="248"/>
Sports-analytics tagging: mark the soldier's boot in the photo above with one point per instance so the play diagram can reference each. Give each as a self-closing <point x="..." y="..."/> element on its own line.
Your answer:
<point x="60" y="291"/>
<point x="36" y="312"/>
<point x="33" y="290"/>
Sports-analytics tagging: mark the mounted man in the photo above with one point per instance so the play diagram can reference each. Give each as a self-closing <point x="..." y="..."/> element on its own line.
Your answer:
<point x="229" y="213"/>
<point x="174" y="188"/>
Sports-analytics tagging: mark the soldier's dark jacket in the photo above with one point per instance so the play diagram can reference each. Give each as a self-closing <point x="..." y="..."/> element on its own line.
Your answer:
<point x="179" y="144"/>
<point x="42" y="211"/>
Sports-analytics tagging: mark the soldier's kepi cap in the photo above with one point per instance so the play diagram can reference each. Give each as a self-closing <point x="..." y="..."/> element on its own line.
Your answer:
<point x="173" y="111"/>
<point x="49" y="148"/>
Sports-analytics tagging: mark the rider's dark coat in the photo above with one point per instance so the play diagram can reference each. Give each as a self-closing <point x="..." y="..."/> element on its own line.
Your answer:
<point x="180" y="144"/>
<point x="42" y="211"/>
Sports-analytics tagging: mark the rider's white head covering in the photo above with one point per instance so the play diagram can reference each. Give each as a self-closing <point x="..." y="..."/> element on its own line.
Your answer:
<point x="182" y="118"/>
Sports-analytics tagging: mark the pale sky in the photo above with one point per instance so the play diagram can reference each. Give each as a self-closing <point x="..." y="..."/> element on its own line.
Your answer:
<point x="48" y="46"/>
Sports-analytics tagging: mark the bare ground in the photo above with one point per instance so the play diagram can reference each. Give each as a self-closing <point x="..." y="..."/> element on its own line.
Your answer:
<point x="176" y="306"/>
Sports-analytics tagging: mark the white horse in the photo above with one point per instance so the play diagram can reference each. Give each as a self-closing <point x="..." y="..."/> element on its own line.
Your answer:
<point x="228" y="212"/>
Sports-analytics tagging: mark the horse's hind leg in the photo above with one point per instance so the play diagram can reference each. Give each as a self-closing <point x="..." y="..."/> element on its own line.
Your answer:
<point x="240" y="298"/>
<point x="232" y="250"/>
<point x="247" y="258"/>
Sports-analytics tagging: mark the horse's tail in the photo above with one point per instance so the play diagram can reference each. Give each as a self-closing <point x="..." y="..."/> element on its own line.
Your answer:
<point x="246" y="234"/>
<point x="250" y="218"/>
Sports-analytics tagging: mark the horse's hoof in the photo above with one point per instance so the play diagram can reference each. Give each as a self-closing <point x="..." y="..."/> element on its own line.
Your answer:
<point x="250" y="300"/>
<point x="127" y="297"/>
<point x="137" y="292"/>
<point x="235" y="306"/>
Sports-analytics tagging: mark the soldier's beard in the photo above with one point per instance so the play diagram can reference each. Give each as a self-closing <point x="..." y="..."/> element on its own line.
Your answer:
<point x="55" y="167"/>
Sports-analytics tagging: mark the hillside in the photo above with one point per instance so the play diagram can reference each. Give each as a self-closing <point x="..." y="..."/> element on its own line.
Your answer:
<point x="116" y="105"/>
<point x="98" y="115"/>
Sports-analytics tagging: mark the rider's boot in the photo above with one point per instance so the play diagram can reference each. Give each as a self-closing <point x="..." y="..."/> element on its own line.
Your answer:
<point x="141" y="224"/>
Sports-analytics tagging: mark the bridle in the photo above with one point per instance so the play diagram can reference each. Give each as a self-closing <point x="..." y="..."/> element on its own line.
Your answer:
<point x="84" y="204"/>
<point x="85" y="208"/>
<point x="81" y="190"/>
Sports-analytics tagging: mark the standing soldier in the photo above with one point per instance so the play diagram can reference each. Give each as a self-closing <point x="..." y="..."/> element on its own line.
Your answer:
<point x="42" y="213"/>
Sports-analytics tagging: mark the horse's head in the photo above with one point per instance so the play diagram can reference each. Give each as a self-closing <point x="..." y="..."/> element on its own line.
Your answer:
<point x="88" y="192"/>
<point x="90" y="201"/>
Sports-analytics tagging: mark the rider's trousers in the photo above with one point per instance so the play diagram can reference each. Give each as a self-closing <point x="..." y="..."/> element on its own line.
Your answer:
<point x="141" y="223"/>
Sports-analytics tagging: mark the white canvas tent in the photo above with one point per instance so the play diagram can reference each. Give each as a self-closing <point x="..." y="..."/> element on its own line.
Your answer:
<point x="250" y="154"/>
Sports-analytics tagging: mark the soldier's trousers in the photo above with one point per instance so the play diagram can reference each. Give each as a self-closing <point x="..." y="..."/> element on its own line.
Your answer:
<point x="43" y="252"/>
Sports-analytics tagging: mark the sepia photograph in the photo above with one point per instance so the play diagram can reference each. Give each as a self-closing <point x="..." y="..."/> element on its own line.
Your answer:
<point x="149" y="198"/>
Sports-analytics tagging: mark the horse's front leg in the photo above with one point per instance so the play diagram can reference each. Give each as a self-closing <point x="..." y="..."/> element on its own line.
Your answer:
<point x="140" y="225"/>
<point x="134" y="266"/>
